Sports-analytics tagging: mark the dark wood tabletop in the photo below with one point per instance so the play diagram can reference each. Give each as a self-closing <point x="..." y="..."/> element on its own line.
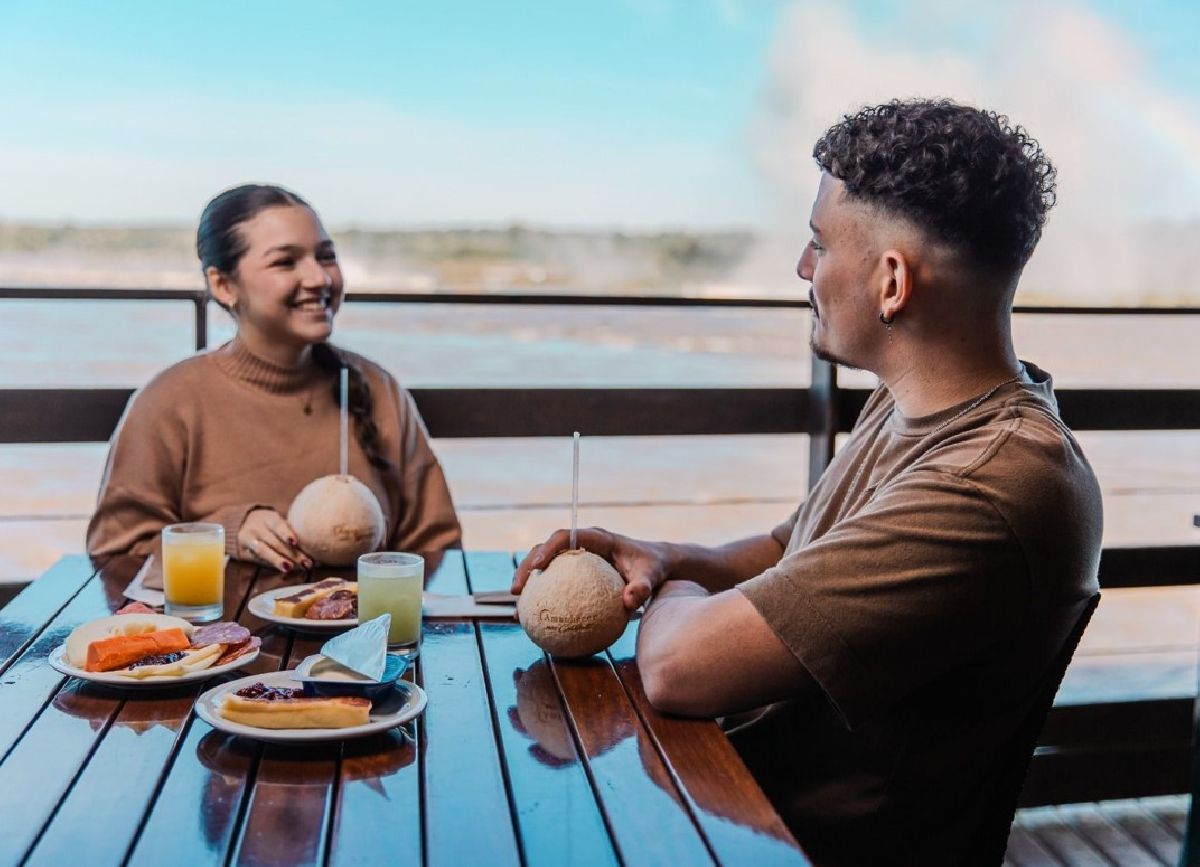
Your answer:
<point x="517" y="759"/>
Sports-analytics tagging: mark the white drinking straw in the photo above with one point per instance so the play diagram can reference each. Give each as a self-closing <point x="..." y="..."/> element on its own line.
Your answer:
<point x="574" y="488"/>
<point x="345" y="429"/>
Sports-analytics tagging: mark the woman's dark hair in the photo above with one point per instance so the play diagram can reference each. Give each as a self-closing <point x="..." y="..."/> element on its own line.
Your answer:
<point x="220" y="244"/>
<point x="964" y="175"/>
<point x="359" y="400"/>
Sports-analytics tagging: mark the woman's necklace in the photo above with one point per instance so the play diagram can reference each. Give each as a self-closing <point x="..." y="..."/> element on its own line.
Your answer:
<point x="308" y="398"/>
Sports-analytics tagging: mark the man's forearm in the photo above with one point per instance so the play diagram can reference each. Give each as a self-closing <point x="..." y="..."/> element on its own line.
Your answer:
<point x="724" y="566"/>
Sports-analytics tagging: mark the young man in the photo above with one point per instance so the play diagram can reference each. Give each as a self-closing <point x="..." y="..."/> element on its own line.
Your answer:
<point x="894" y="633"/>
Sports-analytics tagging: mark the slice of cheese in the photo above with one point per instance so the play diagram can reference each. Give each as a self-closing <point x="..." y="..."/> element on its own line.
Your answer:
<point x="296" y="713"/>
<point x="195" y="660"/>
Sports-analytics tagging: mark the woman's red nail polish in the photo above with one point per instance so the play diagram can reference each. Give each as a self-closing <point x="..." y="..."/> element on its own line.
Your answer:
<point x="291" y="540"/>
<point x="287" y="566"/>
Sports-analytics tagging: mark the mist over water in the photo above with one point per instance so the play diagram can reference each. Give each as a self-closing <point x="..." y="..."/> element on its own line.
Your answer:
<point x="1126" y="146"/>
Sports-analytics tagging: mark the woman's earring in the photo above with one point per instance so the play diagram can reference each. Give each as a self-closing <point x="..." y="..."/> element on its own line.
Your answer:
<point x="887" y="320"/>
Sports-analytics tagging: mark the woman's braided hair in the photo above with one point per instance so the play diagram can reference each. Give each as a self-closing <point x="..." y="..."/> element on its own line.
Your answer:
<point x="359" y="401"/>
<point x="220" y="244"/>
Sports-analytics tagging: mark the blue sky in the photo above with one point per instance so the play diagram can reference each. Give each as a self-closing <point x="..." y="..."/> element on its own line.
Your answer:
<point x="642" y="113"/>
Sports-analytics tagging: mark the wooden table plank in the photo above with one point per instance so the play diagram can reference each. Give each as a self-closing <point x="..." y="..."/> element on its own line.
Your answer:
<point x="379" y="788"/>
<point x="291" y="802"/>
<point x="293" y="788"/>
<point x="383" y="790"/>
<point x="136" y="749"/>
<point x="29" y="682"/>
<point x="446" y="573"/>
<point x="196" y="811"/>
<point x="558" y="818"/>
<point x="199" y="808"/>
<point x="489" y="570"/>
<point x="738" y="820"/>
<point x="378" y="784"/>
<point x="22" y="619"/>
<point x="41" y="767"/>
<point x="466" y="802"/>
<point x="649" y="821"/>
<point x="290" y="805"/>
<point x="129" y="759"/>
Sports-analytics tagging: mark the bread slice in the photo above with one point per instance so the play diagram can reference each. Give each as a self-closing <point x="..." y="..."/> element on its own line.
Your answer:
<point x="296" y="713"/>
<point x="296" y="604"/>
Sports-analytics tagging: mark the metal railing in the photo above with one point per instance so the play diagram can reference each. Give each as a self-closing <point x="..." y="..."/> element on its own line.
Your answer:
<point x="823" y="410"/>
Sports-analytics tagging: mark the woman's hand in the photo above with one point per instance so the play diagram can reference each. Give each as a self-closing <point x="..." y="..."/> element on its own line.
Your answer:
<point x="643" y="565"/>
<point x="267" y="538"/>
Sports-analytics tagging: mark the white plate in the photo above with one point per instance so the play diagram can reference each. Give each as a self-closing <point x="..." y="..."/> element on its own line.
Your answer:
<point x="59" y="663"/>
<point x="408" y="703"/>
<point x="262" y="606"/>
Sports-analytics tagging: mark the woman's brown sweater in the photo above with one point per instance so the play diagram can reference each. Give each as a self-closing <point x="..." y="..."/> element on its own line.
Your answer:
<point x="224" y="432"/>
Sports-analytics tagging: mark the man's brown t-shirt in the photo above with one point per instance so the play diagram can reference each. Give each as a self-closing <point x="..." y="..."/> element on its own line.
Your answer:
<point x="928" y="581"/>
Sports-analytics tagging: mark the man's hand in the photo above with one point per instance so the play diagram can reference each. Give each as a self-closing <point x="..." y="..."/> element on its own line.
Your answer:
<point x="643" y="565"/>
<point x="267" y="538"/>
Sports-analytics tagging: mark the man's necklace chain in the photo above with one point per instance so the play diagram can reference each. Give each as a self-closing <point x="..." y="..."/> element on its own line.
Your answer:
<point x="966" y="409"/>
<point x="976" y="402"/>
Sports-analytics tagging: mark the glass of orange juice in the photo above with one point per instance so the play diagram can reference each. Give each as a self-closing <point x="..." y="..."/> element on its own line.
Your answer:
<point x="194" y="570"/>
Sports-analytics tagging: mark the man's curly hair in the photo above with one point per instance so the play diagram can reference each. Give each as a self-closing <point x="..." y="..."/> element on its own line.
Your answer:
<point x="964" y="175"/>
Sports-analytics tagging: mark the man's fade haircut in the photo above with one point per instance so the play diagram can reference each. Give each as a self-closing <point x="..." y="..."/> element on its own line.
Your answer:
<point x="965" y="176"/>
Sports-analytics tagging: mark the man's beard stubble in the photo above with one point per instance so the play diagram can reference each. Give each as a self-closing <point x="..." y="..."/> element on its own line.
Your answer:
<point x="824" y="354"/>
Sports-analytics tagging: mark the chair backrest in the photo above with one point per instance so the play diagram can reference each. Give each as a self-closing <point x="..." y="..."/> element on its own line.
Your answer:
<point x="991" y="839"/>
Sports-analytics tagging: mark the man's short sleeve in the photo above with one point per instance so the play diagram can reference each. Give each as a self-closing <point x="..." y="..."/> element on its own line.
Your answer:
<point x="925" y="575"/>
<point x="783" y="533"/>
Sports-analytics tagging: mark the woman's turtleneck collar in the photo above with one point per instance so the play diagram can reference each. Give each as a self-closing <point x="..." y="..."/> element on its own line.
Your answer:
<point x="236" y="359"/>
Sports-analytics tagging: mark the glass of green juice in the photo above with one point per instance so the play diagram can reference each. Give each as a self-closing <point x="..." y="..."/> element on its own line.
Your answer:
<point x="391" y="582"/>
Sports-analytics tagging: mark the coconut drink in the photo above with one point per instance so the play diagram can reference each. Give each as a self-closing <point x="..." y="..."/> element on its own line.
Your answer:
<point x="337" y="518"/>
<point x="573" y="607"/>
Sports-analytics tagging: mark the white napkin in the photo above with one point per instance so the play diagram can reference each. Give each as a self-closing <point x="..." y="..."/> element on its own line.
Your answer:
<point x="139" y="592"/>
<point x="363" y="649"/>
<point x="441" y="606"/>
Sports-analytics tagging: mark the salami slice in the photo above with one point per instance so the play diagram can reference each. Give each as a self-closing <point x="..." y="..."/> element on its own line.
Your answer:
<point x="233" y="652"/>
<point x="219" y="633"/>
<point x="136" y="608"/>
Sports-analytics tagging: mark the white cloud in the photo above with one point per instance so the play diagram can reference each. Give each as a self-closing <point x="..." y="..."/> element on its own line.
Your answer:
<point x="1127" y="148"/>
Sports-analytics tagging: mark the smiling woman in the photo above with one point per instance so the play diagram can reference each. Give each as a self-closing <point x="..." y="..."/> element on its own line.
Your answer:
<point x="232" y="435"/>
